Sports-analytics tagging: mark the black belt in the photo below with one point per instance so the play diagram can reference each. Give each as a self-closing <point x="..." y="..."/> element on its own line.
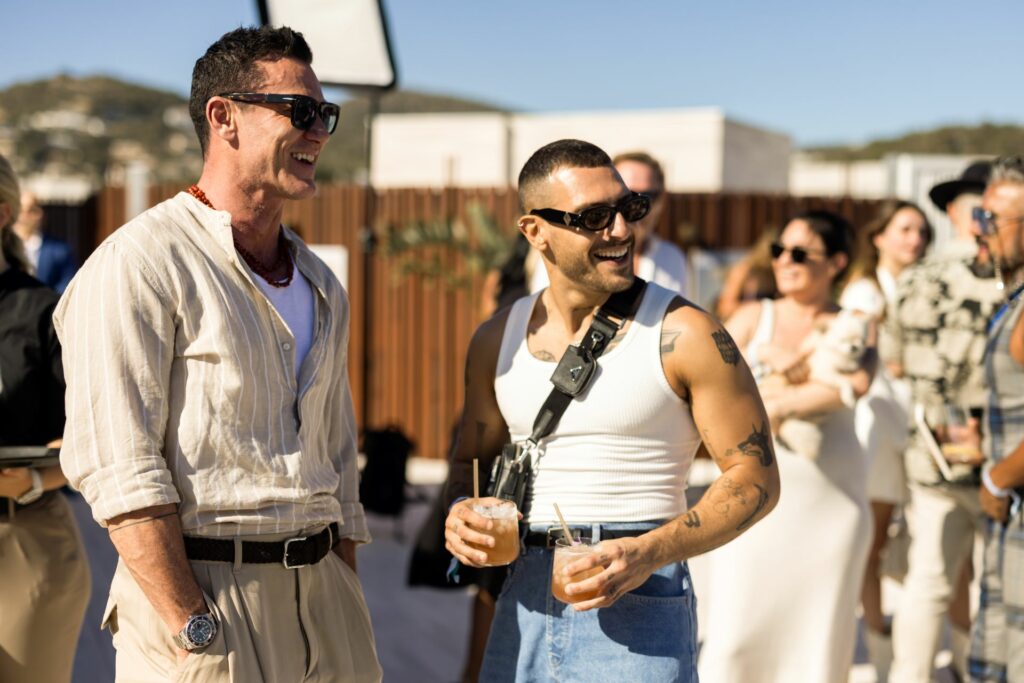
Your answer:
<point x="546" y="539"/>
<point x="292" y="552"/>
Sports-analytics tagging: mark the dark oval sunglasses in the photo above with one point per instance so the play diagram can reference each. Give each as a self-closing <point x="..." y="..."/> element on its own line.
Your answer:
<point x="798" y="254"/>
<point x="304" y="109"/>
<point x="633" y="207"/>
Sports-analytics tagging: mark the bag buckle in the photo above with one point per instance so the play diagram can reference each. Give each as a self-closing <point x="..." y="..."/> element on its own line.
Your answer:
<point x="287" y="546"/>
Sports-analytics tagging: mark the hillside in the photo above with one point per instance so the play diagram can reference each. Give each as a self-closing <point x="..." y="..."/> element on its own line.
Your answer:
<point x="94" y="125"/>
<point x="984" y="139"/>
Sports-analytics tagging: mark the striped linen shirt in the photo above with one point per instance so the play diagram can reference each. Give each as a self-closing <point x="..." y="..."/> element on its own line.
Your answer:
<point x="182" y="386"/>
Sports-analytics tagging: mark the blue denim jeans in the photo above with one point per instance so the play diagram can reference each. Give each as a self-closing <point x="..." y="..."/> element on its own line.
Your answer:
<point x="649" y="634"/>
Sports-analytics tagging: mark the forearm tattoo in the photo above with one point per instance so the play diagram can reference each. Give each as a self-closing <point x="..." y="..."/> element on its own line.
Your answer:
<point x="726" y="346"/>
<point x="762" y="501"/>
<point x="723" y="492"/>
<point x="757" y="445"/>
<point x="692" y="520"/>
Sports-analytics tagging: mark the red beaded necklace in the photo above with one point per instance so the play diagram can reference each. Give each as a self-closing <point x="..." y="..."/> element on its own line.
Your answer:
<point x="283" y="256"/>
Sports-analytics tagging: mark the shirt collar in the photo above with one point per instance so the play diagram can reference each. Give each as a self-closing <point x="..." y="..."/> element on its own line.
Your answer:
<point x="218" y="224"/>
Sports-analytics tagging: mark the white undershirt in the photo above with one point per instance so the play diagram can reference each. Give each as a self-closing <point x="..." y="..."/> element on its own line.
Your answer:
<point x="295" y="304"/>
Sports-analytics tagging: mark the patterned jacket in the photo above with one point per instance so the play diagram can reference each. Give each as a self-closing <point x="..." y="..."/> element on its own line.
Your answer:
<point x="939" y="335"/>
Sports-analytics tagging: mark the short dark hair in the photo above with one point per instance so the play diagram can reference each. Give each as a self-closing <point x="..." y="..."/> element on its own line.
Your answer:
<point x="645" y="159"/>
<point x="230" y="65"/>
<point x="835" y="232"/>
<point x="553" y="156"/>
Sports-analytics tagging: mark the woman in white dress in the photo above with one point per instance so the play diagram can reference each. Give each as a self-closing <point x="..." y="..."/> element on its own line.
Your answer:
<point x="893" y="242"/>
<point x="782" y="598"/>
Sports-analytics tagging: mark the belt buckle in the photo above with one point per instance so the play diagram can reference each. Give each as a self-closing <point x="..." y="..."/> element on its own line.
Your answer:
<point x="287" y="545"/>
<point x="554" y="531"/>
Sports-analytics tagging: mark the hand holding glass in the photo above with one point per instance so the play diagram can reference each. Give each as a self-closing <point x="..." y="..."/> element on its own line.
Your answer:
<point x="505" y="531"/>
<point x="963" y="443"/>
<point x="567" y="553"/>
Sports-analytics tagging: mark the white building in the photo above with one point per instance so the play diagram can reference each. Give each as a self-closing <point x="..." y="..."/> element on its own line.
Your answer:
<point x="900" y="176"/>
<point x="701" y="149"/>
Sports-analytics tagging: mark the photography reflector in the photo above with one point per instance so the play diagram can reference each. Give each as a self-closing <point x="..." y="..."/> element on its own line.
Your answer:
<point x="349" y="39"/>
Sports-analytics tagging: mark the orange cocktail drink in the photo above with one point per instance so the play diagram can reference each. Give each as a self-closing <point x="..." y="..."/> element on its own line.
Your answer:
<point x="505" y="531"/>
<point x="566" y="553"/>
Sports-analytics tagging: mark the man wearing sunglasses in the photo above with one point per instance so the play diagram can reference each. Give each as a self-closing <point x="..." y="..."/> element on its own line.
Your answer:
<point x="210" y="424"/>
<point x="616" y="463"/>
<point x="654" y="259"/>
<point x="997" y="648"/>
<point x="945" y="302"/>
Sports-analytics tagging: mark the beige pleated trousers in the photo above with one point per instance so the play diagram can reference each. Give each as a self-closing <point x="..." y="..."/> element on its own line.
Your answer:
<point x="277" y="625"/>
<point x="44" y="590"/>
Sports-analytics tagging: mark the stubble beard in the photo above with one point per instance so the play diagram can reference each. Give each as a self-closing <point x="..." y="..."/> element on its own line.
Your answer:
<point x="582" y="272"/>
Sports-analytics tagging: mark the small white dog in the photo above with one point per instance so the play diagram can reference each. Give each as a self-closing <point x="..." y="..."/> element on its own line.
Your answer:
<point x="832" y="353"/>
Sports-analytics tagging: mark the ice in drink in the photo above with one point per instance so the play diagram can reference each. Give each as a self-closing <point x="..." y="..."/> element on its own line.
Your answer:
<point x="505" y="531"/>
<point x="566" y="554"/>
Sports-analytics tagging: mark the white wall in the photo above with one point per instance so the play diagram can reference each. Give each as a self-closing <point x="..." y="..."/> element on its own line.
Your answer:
<point x="687" y="142"/>
<point x="479" y="150"/>
<point x="440" y="150"/>
<point x="754" y="159"/>
<point x="863" y="179"/>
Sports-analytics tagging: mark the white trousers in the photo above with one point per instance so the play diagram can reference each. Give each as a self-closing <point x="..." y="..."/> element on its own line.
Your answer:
<point x="943" y="523"/>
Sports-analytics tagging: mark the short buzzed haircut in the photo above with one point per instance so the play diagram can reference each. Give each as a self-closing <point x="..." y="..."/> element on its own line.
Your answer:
<point x="645" y="159"/>
<point x="230" y="65"/>
<point x="550" y="158"/>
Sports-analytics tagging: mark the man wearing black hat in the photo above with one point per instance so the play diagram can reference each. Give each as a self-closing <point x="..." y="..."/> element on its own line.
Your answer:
<point x="945" y="303"/>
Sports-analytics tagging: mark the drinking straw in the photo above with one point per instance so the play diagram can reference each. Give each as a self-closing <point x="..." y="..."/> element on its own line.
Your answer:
<point x="476" y="479"/>
<point x="565" y="527"/>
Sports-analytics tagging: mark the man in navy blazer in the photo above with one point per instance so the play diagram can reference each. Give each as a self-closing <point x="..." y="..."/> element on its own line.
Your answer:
<point x="52" y="258"/>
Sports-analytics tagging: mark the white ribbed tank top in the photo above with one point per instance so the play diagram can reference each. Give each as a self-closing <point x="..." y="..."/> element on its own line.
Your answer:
<point x="622" y="451"/>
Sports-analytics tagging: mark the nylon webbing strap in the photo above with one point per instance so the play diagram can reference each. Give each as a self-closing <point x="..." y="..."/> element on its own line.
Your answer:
<point x="603" y="328"/>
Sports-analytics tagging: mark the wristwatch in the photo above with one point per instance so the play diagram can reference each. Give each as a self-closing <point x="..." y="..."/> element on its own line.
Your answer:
<point x="33" y="494"/>
<point x="198" y="632"/>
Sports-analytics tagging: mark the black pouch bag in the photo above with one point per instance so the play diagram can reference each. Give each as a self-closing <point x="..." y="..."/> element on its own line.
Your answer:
<point x="510" y="474"/>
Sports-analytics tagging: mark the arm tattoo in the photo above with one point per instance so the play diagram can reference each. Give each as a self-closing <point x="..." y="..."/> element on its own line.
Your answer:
<point x="757" y="445"/>
<point x="762" y="500"/>
<point x="726" y="346"/>
<point x="545" y="355"/>
<point x="692" y="520"/>
<point x="668" y="339"/>
<point x="722" y="491"/>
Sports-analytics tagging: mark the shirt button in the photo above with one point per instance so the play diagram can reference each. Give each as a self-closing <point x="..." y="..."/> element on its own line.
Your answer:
<point x="286" y="346"/>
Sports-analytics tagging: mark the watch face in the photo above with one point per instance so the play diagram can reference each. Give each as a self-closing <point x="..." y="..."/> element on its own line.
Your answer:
<point x="201" y="630"/>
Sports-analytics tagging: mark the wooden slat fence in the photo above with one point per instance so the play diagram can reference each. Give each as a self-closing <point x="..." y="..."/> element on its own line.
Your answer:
<point x="419" y="324"/>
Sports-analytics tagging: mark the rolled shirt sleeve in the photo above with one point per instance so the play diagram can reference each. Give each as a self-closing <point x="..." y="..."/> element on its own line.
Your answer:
<point x="117" y="336"/>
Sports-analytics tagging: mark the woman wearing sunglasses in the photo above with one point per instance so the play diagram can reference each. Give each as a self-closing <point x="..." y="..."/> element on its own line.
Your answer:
<point x="785" y="593"/>
<point x="894" y="241"/>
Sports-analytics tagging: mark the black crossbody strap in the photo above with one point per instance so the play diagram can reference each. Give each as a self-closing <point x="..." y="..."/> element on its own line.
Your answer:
<point x="576" y="369"/>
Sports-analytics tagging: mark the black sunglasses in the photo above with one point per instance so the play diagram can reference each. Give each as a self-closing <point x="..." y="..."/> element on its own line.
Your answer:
<point x="304" y="109"/>
<point x="798" y="254"/>
<point x="988" y="222"/>
<point x="633" y="207"/>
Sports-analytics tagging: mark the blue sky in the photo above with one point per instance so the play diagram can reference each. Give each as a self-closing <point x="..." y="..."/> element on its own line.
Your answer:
<point x="820" y="71"/>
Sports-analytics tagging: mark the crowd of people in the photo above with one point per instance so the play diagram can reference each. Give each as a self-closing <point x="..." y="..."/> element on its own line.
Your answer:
<point x="847" y="379"/>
